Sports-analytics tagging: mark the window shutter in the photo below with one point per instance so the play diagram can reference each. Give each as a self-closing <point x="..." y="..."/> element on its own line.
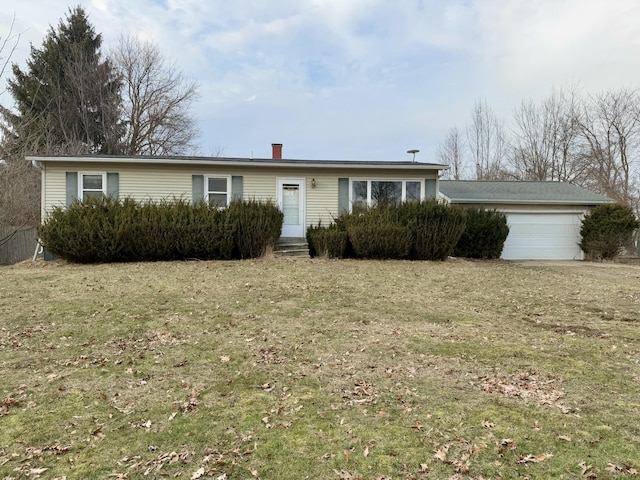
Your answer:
<point x="197" y="188"/>
<point x="113" y="184"/>
<point x="343" y="196"/>
<point x="72" y="187"/>
<point x="236" y="188"/>
<point x="430" y="188"/>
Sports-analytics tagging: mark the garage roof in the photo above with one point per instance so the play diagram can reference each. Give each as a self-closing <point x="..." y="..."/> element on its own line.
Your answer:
<point x="470" y="191"/>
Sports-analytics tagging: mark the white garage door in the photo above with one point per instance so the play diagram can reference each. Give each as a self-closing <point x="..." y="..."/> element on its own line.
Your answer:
<point x="543" y="236"/>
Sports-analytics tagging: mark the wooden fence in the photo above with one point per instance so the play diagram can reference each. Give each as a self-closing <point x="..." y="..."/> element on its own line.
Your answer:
<point x="17" y="244"/>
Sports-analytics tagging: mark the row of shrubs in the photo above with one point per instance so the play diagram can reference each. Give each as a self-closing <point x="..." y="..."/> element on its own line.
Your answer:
<point x="107" y="230"/>
<point x="427" y="230"/>
<point x="101" y="230"/>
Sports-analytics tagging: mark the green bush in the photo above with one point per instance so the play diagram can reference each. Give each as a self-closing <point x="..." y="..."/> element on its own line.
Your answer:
<point x="484" y="234"/>
<point x="380" y="241"/>
<point x="83" y="232"/>
<point x="328" y="241"/>
<point x="606" y="229"/>
<point x="107" y="230"/>
<point x="436" y="228"/>
<point x="426" y="230"/>
<point x="256" y="226"/>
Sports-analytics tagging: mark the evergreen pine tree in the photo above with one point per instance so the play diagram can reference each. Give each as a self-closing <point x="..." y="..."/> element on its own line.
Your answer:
<point x="67" y="101"/>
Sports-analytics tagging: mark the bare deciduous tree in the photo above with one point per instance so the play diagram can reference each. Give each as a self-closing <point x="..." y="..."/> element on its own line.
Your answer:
<point x="8" y="45"/>
<point x="487" y="142"/>
<point x="451" y="152"/>
<point x="611" y="134"/>
<point x="19" y="182"/>
<point x="545" y="137"/>
<point x="591" y="141"/>
<point x="157" y="101"/>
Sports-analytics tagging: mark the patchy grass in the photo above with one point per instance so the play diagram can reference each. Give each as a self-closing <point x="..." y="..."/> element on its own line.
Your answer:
<point x="282" y="368"/>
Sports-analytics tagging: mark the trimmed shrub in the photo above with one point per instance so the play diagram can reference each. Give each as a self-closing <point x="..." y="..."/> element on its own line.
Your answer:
<point x="436" y="228"/>
<point x="82" y="233"/>
<point x="431" y="229"/>
<point x="327" y="241"/>
<point x="256" y="226"/>
<point x="484" y="234"/>
<point x="380" y="241"/>
<point x="606" y="229"/>
<point x="107" y="230"/>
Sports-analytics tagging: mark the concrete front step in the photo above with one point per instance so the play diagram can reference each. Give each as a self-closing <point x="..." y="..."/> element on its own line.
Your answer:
<point x="291" y="247"/>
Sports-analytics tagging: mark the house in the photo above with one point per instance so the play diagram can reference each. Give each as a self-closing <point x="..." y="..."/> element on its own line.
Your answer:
<point x="307" y="191"/>
<point x="544" y="217"/>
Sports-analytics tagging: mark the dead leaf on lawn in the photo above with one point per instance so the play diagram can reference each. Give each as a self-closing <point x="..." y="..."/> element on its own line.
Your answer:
<point x="624" y="469"/>
<point x="197" y="474"/>
<point x="441" y="454"/>
<point x="535" y="458"/>
<point x="585" y="470"/>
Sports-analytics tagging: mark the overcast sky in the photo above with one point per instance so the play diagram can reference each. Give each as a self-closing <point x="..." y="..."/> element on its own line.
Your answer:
<point x="360" y="79"/>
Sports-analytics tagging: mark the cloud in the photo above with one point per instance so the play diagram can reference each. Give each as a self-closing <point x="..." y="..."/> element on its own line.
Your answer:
<point x="370" y="78"/>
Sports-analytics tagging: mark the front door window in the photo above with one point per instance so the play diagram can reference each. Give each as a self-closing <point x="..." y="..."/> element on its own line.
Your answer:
<point x="291" y="202"/>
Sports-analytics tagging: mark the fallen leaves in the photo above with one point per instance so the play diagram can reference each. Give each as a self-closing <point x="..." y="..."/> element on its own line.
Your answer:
<point x="363" y="393"/>
<point x="526" y="386"/>
<point x="30" y="464"/>
<point x="7" y="403"/>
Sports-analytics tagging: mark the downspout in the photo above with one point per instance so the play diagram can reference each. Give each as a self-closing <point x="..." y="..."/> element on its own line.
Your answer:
<point x="39" y="250"/>
<point x="43" y="189"/>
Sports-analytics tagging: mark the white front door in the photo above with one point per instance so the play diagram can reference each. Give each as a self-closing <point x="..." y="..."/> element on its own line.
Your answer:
<point x="291" y="202"/>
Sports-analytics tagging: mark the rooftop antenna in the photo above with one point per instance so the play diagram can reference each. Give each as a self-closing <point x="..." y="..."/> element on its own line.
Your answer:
<point x="413" y="151"/>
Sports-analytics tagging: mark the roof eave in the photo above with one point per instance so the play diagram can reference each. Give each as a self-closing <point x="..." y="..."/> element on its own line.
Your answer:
<point x="261" y="163"/>
<point x="527" y="202"/>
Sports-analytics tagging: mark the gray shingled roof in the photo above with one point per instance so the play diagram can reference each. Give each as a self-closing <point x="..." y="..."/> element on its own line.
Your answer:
<point x="467" y="191"/>
<point x="258" y="162"/>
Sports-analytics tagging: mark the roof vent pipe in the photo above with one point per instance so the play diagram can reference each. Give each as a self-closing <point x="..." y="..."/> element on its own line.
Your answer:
<point x="276" y="150"/>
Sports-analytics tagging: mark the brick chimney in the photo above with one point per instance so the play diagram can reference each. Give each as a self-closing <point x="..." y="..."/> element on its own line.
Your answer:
<point x="276" y="149"/>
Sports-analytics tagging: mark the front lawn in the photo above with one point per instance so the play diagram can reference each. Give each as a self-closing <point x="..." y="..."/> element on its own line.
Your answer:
<point x="293" y="369"/>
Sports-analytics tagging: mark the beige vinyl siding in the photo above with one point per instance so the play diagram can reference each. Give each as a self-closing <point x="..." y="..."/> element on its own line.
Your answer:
<point x="140" y="182"/>
<point x="156" y="182"/>
<point x="321" y="202"/>
<point x="54" y="191"/>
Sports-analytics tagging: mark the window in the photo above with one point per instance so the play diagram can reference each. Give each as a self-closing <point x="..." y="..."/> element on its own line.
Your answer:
<point x="359" y="193"/>
<point x="371" y="192"/>
<point x="383" y="191"/>
<point x="413" y="191"/>
<point x="92" y="185"/>
<point x="217" y="190"/>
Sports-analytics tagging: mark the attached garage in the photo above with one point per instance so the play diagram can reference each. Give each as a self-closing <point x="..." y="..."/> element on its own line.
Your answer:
<point x="543" y="236"/>
<point x="544" y="217"/>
